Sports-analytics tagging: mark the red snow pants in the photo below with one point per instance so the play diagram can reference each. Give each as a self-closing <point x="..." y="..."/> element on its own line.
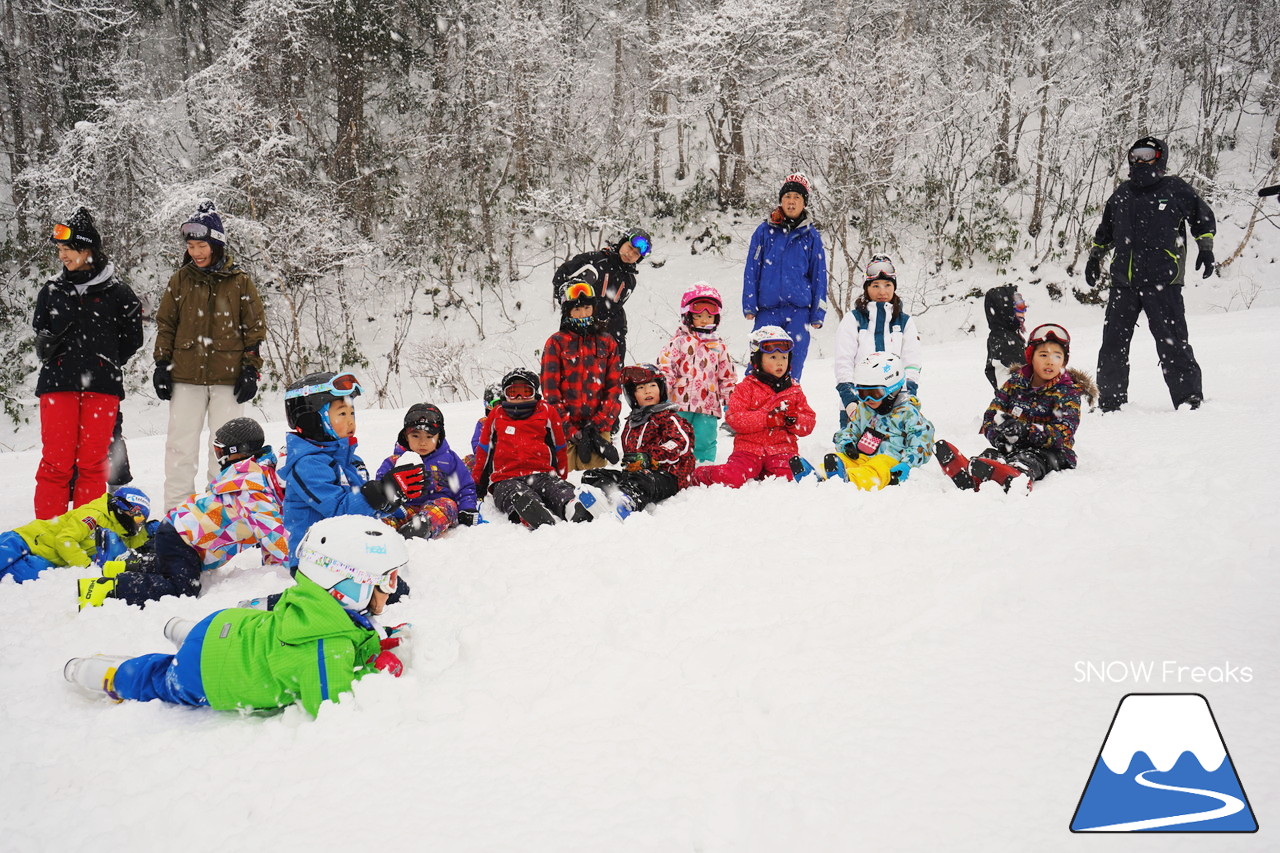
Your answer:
<point x="75" y="431"/>
<point x="741" y="467"/>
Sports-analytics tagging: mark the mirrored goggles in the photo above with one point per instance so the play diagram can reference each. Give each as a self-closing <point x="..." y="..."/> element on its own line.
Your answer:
<point x="881" y="268"/>
<point x="704" y="306"/>
<point x="342" y="385"/>
<point x="389" y="582"/>
<point x="1049" y="332"/>
<point x="872" y="392"/>
<point x="1019" y="304"/>
<point x="200" y="231"/>
<point x="579" y="290"/>
<point x="775" y="346"/>
<point x="642" y="244"/>
<point x="61" y="232"/>
<point x="518" y="391"/>
<point x="1145" y="154"/>
<point x="638" y="375"/>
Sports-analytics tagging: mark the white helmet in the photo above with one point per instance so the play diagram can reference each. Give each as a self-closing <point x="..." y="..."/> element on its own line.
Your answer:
<point x="880" y="370"/>
<point x="351" y="554"/>
<point x="769" y="333"/>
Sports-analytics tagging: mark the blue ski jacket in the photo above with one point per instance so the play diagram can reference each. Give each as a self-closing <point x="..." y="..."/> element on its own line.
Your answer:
<point x="786" y="267"/>
<point x="321" y="479"/>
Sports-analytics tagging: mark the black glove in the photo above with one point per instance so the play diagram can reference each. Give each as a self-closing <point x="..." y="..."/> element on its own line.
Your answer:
<point x="583" y="445"/>
<point x="1093" y="270"/>
<point x="1205" y="259"/>
<point x="246" y="384"/>
<point x="49" y="346"/>
<point x="1012" y="431"/>
<point x="604" y="448"/>
<point x="851" y="450"/>
<point x="468" y="517"/>
<point x="638" y="460"/>
<point x="162" y="380"/>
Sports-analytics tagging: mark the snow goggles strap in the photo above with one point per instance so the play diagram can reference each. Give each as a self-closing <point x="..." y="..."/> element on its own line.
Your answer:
<point x="200" y="231"/>
<point x="389" y="582"/>
<point x="1049" y="332"/>
<point x="641" y="243"/>
<point x="342" y="385"/>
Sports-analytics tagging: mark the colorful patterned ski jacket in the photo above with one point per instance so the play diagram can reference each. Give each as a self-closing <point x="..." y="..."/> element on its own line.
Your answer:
<point x="1051" y="411"/>
<point x="517" y="447"/>
<point x="582" y="379"/>
<point x="306" y="649"/>
<point x="903" y="431"/>
<point x="322" y="479"/>
<point x="749" y="407"/>
<point x="700" y="374"/>
<point x="68" y="539"/>
<point x="241" y="509"/>
<point x="667" y="438"/>
<point x="785" y="267"/>
<point x="446" y="477"/>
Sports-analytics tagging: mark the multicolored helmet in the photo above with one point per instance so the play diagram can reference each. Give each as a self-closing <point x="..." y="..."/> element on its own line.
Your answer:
<point x="349" y="555"/>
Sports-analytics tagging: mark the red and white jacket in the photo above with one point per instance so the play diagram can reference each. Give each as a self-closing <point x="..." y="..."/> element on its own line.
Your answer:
<point x="517" y="447"/>
<point x="667" y="438"/>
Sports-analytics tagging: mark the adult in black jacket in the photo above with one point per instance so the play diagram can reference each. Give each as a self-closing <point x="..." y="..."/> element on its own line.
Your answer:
<point x="1145" y="220"/>
<point x="87" y="327"/>
<point x="612" y="271"/>
<point x="1006" y="312"/>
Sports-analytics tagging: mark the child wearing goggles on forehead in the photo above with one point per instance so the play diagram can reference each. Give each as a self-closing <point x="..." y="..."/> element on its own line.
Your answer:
<point x="316" y="642"/>
<point x="698" y="368"/>
<point x="1006" y="312"/>
<point x="323" y="475"/>
<point x="209" y="327"/>
<point x="1031" y="424"/>
<point x="767" y="412"/>
<point x="449" y="494"/>
<point x="69" y="539"/>
<point x="612" y="272"/>
<point x="887" y="435"/>
<point x="521" y="457"/>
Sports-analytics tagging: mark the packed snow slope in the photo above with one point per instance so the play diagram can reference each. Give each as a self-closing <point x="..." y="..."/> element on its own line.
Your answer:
<point x="788" y="667"/>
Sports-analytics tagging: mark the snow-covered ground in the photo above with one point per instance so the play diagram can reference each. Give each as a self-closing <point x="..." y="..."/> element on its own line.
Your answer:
<point x="786" y="667"/>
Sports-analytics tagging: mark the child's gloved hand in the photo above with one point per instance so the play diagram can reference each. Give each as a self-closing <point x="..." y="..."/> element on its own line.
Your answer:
<point x="851" y="450"/>
<point x="779" y="419"/>
<point x="638" y="460"/>
<point x="386" y="661"/>
<point x="899" y="473"/>
<point x="407" y="479"/>
<point x="1012" y="431"/>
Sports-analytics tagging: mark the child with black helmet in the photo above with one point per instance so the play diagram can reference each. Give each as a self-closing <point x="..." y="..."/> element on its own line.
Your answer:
<point x="580" y="379"/>
<point x="657" y="445"/>
<point x="521" y="457"/>
<point x="1031" y="424"/>
<point x="492" y="397"/>
<point x="323" y="476"/>
<point x="449" y="494"/>
<point x="317" y="641"/>
<point x="240" y="509"/>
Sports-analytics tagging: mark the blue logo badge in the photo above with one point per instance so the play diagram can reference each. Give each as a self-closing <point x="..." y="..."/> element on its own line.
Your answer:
<point x="1164" y="767"/>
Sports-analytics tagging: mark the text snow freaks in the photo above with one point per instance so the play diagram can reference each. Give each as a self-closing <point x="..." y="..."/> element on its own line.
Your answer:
<point x="1165" y="671"/>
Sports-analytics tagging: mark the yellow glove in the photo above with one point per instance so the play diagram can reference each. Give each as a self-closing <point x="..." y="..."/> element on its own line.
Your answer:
<point x="94" y="591"/>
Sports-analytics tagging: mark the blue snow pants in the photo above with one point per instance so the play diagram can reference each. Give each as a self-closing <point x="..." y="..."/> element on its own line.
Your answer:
<point x="796" y="323"/>
<point x="17" y="561"/>
<point x="169" y="678"/>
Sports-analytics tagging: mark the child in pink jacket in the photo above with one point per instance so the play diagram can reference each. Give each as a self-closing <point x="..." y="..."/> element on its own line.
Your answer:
<point x="767" y="411"/>
<point x="699" y="372"/>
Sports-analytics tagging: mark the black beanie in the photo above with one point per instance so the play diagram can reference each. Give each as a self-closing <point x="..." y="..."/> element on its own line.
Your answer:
<point x="796" y="183"/>
<point x="83" y="233"/>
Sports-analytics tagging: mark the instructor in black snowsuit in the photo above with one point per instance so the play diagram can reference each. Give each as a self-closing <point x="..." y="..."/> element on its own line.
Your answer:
<point x="1006" y="347"/>
<point x="1144" y="220"/>
<point x="612" y="270"/>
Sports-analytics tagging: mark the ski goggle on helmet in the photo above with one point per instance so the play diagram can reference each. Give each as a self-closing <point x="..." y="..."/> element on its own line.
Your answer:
<point x="342" y="385"/>
<point x="575" y="290"/>
<point x="1145" y="154"/>
<point x="771" y="339"/>
<point x="878" y="376"/>
<point x="881" y="268"/>
<point x="640" y="241"/>
<point x="518" y="391"/>
<point x="1049" y="332"/>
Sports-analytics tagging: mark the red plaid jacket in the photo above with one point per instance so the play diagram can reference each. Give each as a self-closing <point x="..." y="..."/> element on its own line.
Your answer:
<point x="582" y="379"/>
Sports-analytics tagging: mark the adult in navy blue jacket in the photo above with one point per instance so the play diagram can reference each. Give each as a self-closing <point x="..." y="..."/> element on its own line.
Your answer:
<point x="1145" y="220"/>
<point x="785" y="280"/>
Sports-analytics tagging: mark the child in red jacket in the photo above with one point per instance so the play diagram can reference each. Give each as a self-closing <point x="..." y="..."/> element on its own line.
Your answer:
<point x="581" y="381"/>
<point x="657" y="445"/>
<point x="767" y="411"/>
<point x="521" y="457"/>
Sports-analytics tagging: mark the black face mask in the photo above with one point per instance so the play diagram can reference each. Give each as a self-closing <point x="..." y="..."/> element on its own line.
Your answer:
<point x="1145" y="175"/>
<point x="520" y="410"/>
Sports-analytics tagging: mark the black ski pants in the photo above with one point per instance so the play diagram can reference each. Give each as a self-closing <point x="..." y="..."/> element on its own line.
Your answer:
<point x="554" y="493"/>
<point x="174" y="571"/>
<point x="1167" y="319"/>
<point x="1038" y="462"/>
<point x="642" y="487"/>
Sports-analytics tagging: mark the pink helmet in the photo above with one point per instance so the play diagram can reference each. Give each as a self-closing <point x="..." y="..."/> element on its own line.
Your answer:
<point x="700" y="291"/>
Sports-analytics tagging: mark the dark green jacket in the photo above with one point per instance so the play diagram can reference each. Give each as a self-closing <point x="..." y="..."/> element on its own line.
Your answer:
<point x="210" y="323"/>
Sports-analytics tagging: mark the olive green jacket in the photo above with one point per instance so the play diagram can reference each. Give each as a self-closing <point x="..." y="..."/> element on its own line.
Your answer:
<point x="210" y="323"/>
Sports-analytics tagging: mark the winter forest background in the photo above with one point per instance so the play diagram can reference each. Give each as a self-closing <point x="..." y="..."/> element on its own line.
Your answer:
<point x="406" y="162"/>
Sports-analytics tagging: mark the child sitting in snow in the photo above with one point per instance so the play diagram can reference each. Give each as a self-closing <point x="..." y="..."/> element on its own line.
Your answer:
<point x="580" y="379"/>
<point x="68" y="540"/>
<point x="1006" y="317"/>
<point x="767" y="411"/>
<point x="886" y="435"/>
<point x="323" y="477"/>
<point x="240" y="509"/>
<point x="492" y="397"/>
<point x="1031" y="423"/>
<point x="317" y="641"/>
<point x="699" y="372"/>
<point x="449" y="494"/>
<point x="521" y="457"/>
<point x="657" y="445"/>
<point x="877" y="323"/>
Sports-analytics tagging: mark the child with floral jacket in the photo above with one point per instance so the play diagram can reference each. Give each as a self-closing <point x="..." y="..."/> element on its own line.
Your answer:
<point x="887" y="435"/>
<point x="699" y="372"/>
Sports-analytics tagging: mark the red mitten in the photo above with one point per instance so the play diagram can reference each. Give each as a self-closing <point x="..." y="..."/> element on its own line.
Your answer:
<point x="408" y="480"/>
<point x="386" y="661"/>
<point x="776" y="419"/>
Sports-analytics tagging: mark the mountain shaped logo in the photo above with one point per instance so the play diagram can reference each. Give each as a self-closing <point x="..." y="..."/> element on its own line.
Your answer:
<point x="1164" y="767"/>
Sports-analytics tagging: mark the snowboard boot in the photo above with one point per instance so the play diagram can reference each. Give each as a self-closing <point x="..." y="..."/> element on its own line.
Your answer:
<point x="533" y="513"/>
<point x="95" y="675"/>
<point x="801" y="468"/>
<point x="834" y="466"/>
<point x="954" y="465"/>
<point x="176" y="630"/>
<point x="985" y="469"/>
<point x="94" y="591"/>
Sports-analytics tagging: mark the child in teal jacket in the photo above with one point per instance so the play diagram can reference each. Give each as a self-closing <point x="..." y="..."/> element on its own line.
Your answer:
<point x="315" y="643"/>
<point x="68" y="540"/>
<point x="887" y="434"/>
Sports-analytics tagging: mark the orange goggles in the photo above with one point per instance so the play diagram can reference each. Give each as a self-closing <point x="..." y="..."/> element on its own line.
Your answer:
<point x="518" y="391"/>
<point x="61" y="232"/>
<point x="579" y="290"/>
<point x="775" y="346"/>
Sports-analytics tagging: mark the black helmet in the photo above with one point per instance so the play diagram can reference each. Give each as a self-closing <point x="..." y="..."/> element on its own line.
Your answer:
<point x="306" y="402"/>
<point x="639" y="374"/>
<point x="423" y="416"/>
<point x="238" y="436"/>
<point x="520" y="408"/>
<point x="1140" y="152"/>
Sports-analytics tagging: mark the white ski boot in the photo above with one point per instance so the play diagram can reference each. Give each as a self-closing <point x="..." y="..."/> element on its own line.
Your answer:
<point x="176" y="630"/>
<point x="95" y="675"/>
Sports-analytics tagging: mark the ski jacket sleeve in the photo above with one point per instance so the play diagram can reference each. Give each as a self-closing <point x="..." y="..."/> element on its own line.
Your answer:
<point x="672" y="363"/>
<point x="466" y="488"/>
<point x="917" y="435"/>
<point x="818" y="280"/>
<point x="556" y="441"/>
<point x="846" y="357"/>
<point x="129" y="322"/>
<point x="1201" y="220"/>
<point x="1102" y="238"/>
<point x="751" y="272"/>
<point x="999" y="406"/>
<point x="568" y="268"/>
<point x="387" y="465"/>
<point x="1059" y="433"/>
<point x="253" y="323"/>
<point x="552" y="367"/>
<point x="318" y="481"/>
<point x="799" y="408"/>
<point x="167" y="322"/>
<point x="747" y="407"/>
<point x="611" y="404"/>
<point x="911" y="351"/>
<point x="482" y="467"/>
